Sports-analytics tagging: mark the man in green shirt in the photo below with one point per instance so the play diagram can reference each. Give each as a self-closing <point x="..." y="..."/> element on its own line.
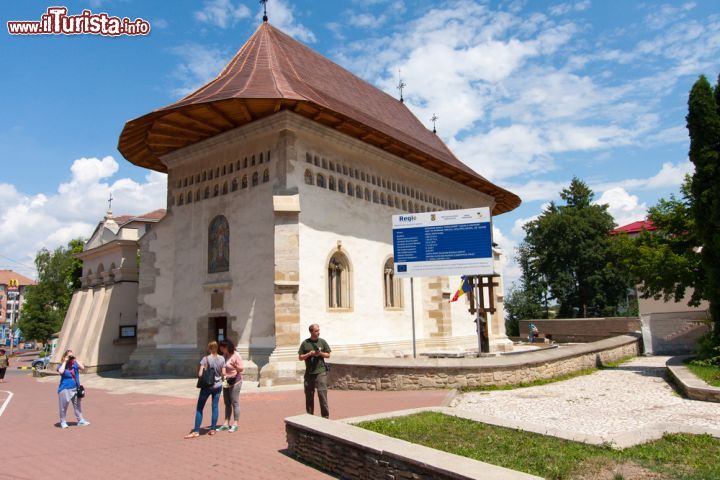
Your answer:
<point x="314" y="351"/>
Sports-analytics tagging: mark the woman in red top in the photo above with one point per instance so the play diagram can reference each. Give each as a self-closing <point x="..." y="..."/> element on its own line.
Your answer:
<point x="231" y="384"/>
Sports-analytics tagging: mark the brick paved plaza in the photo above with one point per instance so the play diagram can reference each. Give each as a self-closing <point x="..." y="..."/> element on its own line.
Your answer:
<point x="136" y="436"/>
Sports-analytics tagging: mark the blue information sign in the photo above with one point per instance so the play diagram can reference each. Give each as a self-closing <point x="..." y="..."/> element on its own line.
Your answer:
<point x="455" y="242"/>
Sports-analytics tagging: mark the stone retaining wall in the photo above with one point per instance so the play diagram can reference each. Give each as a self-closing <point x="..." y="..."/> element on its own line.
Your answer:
<point x="582" y="329"/>
<point x="354" y="453"/>
<point x="692" y="386"/>
<point x="430" y="373"/>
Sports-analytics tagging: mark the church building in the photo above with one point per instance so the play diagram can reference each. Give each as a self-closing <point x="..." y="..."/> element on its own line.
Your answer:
<point x="283" y="175"/>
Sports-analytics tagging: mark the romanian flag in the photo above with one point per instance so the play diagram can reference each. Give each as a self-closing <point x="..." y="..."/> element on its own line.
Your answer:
<point x="464" y="288"/>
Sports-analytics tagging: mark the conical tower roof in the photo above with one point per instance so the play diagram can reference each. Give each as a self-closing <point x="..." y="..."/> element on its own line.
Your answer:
<point x="274" y="72"/>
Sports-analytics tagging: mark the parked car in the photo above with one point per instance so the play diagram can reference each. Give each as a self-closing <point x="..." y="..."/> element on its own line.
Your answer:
<point x="41" y="363"/>
<point x="30" y="345"/>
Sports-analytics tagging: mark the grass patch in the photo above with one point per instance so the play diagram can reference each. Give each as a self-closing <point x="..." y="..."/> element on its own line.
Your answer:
<point x="709" y="373"/>
<point x="545" y="381"/>
<point x="677" y="456"/>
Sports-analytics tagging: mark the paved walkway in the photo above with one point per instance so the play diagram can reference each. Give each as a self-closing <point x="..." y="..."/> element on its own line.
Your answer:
<point x="139" y="435"/>
<point x="607" y="403"/>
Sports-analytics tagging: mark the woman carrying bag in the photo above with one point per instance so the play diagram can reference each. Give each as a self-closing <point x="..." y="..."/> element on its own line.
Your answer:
<point x="210" y="375"/>
<point x="231" y="385"/>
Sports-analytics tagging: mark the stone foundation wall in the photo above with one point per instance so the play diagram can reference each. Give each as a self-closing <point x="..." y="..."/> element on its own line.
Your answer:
<point x="354" y="453"/>
<point x="421" y="373"/>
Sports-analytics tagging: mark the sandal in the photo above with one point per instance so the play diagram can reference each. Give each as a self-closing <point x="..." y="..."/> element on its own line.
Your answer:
<point x="192" y="434"/>
<point x="211" y="432"/>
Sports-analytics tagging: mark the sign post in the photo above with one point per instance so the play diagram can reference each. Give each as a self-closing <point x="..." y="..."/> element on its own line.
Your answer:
<point x="453" y="242"/>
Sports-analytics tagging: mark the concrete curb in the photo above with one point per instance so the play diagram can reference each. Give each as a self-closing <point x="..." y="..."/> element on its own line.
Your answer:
<point x="353" y="452"/>
<point x="693" y="387"/>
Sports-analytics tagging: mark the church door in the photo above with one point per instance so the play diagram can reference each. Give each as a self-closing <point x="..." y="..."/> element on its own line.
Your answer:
<point x="219" y="328"/>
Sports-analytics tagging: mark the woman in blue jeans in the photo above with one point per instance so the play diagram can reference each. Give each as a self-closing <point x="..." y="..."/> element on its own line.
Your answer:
<point x="217" y="363"/>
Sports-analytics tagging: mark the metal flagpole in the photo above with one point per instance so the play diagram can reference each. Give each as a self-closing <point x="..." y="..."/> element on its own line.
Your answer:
<point x="412" y="309"/>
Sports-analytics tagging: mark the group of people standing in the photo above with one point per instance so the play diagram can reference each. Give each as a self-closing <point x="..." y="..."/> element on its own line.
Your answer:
<point x="227" y="368"/>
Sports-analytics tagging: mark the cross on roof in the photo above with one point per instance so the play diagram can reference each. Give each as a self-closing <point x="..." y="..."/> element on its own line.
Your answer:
<point x="400" y="87"/>
<point x="434" y="119"/>
<point x="110" y="199"/>
<point x="264" y="4"/>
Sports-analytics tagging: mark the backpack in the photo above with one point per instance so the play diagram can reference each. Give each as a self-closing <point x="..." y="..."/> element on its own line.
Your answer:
<point x="207" y="379"/>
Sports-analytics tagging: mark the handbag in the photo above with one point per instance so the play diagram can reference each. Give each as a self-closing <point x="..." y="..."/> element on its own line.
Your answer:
<point x="207" y="379"/>
<point x="79" y="389"/>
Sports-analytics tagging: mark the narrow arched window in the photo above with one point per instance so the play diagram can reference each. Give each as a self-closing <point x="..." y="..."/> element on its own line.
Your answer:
<point x="255" y="179"/>
<point x="234" y="185"/>
<point x="367" y="194"/>
<point x="216" y="190"/>
<point x="375" y="197"/>
<point x="197" y="195"/>
<point x="392" y="287"/>
<point x="350" y="189"/>
<point x="245" y="162"/>
<point x="341" y="185"/>
<point x="266" y="175"/>
<point x="243" y="184"/>
<point x="359" y="192"/>
<point x="252" y="161"/>
<point x="338" y="281"/>
<point x="261" y="157"/>
<point x="308" y="158"/>
<point x="320" y="180"/>
<point x="308" y="177"/>
<point x="180" y="200"/>
<point x="404" y="204"/>
<point x="382" y="199"/>
<point x="224" y="190"/>
<point x="189" y="197"/>
<point x="331" y="183"/>
<point x="324" y="164"/>
<point x="218" y="245"/>
<point x="207" y="193"/>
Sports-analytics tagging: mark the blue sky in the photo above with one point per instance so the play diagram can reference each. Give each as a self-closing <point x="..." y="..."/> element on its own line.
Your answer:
<point x="529" y="94"/>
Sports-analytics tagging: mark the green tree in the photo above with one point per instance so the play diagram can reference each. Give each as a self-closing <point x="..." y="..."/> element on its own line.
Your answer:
<point x="47" y="302"/>
<point x="703" y="123"/>
<point x="568" y="249"/>
<point x="521" y="304"/>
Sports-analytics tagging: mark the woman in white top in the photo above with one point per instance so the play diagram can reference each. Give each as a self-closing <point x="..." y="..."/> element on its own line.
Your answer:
<point x="231" y="385"/>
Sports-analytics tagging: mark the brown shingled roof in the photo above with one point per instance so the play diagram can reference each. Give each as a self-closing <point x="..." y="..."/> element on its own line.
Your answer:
<point x="7" y="275"/>
<point x="154" y="215"/>
<point x="274" y="72"/>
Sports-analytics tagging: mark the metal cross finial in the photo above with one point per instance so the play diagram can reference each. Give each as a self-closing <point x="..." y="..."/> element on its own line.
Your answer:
<point x="400" y="87"/>
<point x="110" y="202"/>
<point x="434" y="119"/>
<point x="264" y="4"/>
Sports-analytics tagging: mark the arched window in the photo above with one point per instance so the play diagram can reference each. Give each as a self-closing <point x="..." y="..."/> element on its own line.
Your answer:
<point x="189" y="197"/>
<point x="210" y="174"/>
<point x="266" y="174"/>
<point x="245" y="162"/>
<point x="216" y="190"/>
<point x="308" y="158"/>
<point x="320" y="180"/>
<point x="341" y="185"/>
<point x="392" y="286"/>
<point x="204" y="177"/>
<point x="230" y="168"/>
<point x="331" y="183"/>
<point x="375" y="197"/>
<point x="243" y="184"/>
<point x="180" y="199"/>
<point x="316" y="161"/>
<point x="224" y="170"/>
<point x="197" y="195"/>
<point x="350" y="189"/>
<point x="255" y="179"/>
<point x="207" y="193"/>
<point x="234" y="185"/>
<point x="359" y="192"/>
<point x="308" y="176"/>
<point x="332" y="166"/>
<point x="397" y="202"/>
<point x="338" y="281"/>
<point x="382" y="199"/>
<point x="324" y="164"/>
<point x="404" y="204"/>
<point x="218" y="245"/>
<point x="367" y="194"/>
<point x="261" y="157"/>
<point x="252" y="162"/>
<point x="224" y="190"/>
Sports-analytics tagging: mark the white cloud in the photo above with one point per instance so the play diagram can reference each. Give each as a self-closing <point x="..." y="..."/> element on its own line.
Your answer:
<point x="367" y="20"/>
<point x="281" y="16"/>
<point x="510" y="269"/>
<point x="518" y="230"/>
<point x="670" y="176"/>
<point x="199" y="65"/>
<point x="662" y="16"/>
<point x="222" y="13"/>
<point x="565" y="8"/>
<point x="624" y="208"/>
<point x="31" y="222"/>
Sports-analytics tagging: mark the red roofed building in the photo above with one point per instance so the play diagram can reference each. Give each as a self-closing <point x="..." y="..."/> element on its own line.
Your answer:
<point x="283" y="175"/>
<point x="634" y="228"/>
<point x="12" y="296"/>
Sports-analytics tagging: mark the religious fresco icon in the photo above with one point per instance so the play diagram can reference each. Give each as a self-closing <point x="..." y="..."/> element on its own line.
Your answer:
<point x="219" y="245"/>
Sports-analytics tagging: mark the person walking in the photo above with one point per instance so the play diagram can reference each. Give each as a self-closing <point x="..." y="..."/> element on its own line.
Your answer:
<point x="231" y="385"/>
<point x="69" y="371"/>
<point x="4" y="364"/>
<point x="217" y="364"/>
<point x="313" y="351"/>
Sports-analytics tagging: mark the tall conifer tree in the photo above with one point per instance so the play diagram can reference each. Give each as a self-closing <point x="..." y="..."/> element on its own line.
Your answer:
<point x="703" y="123"/>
